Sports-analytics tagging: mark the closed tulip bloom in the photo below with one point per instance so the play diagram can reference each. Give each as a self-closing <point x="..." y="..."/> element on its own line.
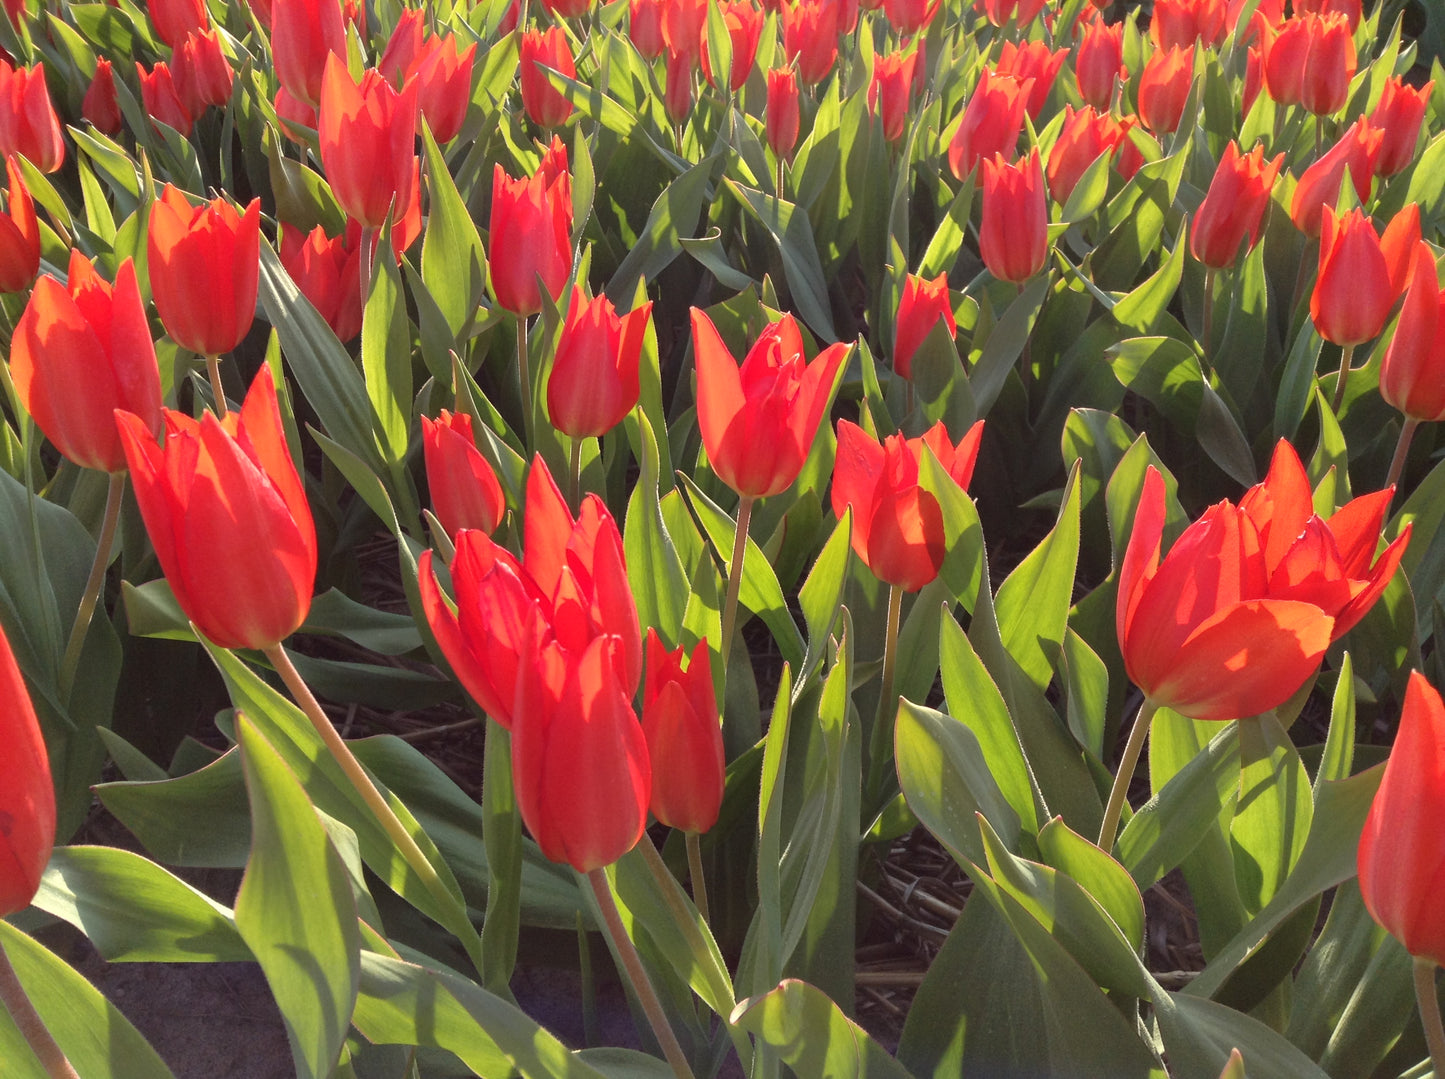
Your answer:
<point x="1013" y="236"/>
<point x="532" y="222"/>
<point x="909" y="17"/>
<point x="677" y="93"/>
<point x="465" y="492"/>
<point x="1100" y="62"/>
<point x="1253" y="78"/>
<point x="644" y="27"/>
<point x="1362" y="273"/>
<point x="100" y="105"/>
<point x="228" y="518"/>
<point x="897" y="524"/>
<point x="28" y="124"/>
<point x="1164" y="88"/>
<point x="1183" y="22"/>
<point x="262" y="10"/>
<point x="810" y="36"/>
<point x="1085" y="135"/>
<point x="758" y="422"/>
<point x="991" y="124"/>
<point x="890" y="91"/>
<point x="1310" y="62"/>
<point x="998" y="12"/>
<point x="205" y="264"/>
<point x="443" y="75"/>
<point x="304" y="33"/>
<point x="594" y="379"/>
<point x="683" y="22"/>
<point x="544" y="104"/>
<point x="327" y="270"/>
<point x="1199" y="631"/>
<point x="1035" y="61"/>
<point x="19" y="235"/>
<point x="81" y="351"/>
<point x="684" y="737"/>
<point x="923" y="306"/>
<point x="1401" y="860"/>
<point x="781" y="120"/>
<point x="1233" y="209"/>
<point x="745" y="30"/>
<point x="1319" y="185"/>
<point x="367" y="134"/>
<point x="174" y="19"/>
<point x="161" y="99"/>
<point x="1412" y="375"/>
<point x="27" y="792"/>
<point x="1399" y="114"/>
<point x="201" y="72"/>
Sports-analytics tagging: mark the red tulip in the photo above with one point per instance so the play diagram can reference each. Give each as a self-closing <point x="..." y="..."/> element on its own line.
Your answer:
<point x="1350" y="9"/>
<point x="27" y="793"/>
<point x="228" y="517"/>
<point x="262" y="10"/>
<point x="1310" y="62"/>
<point x="890" y="91"/>
<point x="998" y="12"/>
<point x="1412" y="375"/>
<point x="1200" y="632"/>
<point x="1362" y="274"/>
<point x="174" y="19"/>
<point x="544" y="104"/>
<point x="594" y="379"/>
<point x="781" y="120"/>
<point x="992" y="121"/>
<point x="204" y="263"/>
<point x="464" y="489"/>
<point x="1401" y="859"/>
<point x="758" y="422"/>
<point x="1032" y="61"/>
<point x="100" y="106"/>
<point x="304" y="33"/>
<point x="1183" y="22"/>
<point x="81" y="351"/>
<point x="327" y="270"/>
<point x="19" y="235"/>
<point x="1319" y="185"/>
<point x="1233" y="209"/>
<point x="810" y="36"/>
<point x="1399" y="114"/>
<point x="683" y="22"/>
<point x="1013" y="237"/>
<point x="202" y="74"/>
<point x="909" y="17"/>
<point x="294" y="114"/>
<point x="677" y="93"/>
<point x="1128" y="158"/>
<point x="745" y="30"/>
<point x="1164" y="88"/>
<point x="1253" y="78"/>
<point x="28" y="124"/>
<point x="162" y="100"/>
<point x="898" y="525"/>
<point x="923" y="306"/>
<point x="684" y="737"/>
<point x="532" y="221"/>
<point x="443" y="76"/>
<point x="644" y="27"/>
<point x="1085" y="135"/>
<point x="367" y="134"/>
<point x="1100" y="62"/>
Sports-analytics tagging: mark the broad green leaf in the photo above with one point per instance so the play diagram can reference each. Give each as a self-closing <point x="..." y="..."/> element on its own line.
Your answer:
<point x="821" y="596"/>
<point x="993" y="362"/>
<point x="386" y="356"/>
<point x="337" y="614"/>
<point x="162" y="815"/>
<point x="659" y="584"/>
<point x="1142" y="310"/>
<point x="674" y="217"/>
<point x="1338" y="756"/>
<point x="1106" y="881"/>
<point x="802" y="269"/>
<point x="1199" y="1035"/>
<point x="1273" y="811"/>
<point x="813" y="1036"/>
<point x="453" y="261"/>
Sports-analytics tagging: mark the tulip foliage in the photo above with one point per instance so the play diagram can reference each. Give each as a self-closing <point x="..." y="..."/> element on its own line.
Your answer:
<point x="926" y="502"/>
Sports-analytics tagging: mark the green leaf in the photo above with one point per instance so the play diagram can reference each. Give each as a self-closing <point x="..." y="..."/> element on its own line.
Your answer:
<point x="821" y="596"/>
<point x="813" y="1036"/>
<point x="659" y="584"/>
<point x="386" y="356"/>
<point x="1142" y="310"/>
<point x="802" y="269"/>
<point x="336" y="614"/>
<point x="1200" y="1034"/>
<point x="453" y="261"/>
<point x="1273" y="812"/>
<point x="296" y="911"/>
<point x="1106" y="881"/>
<point x="1005" y="344"/>
<point x="674" y="217"/>
<point x="162" y="815"/>
<point x="1337" y="759"/>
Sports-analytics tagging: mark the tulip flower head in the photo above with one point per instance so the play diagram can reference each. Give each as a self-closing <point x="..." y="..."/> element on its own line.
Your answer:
<point x="897" y="524"/>
<point x="1362" y="274"/>
<point x="758" y="422"/>
<point x="28" y="123"/>
<point x="644" y="27"/>
<point x="82" y="350"/>
<point x="161" y="98"/>
<point x="228" y="518"/>
<point x="367" y="133"/>
<point x="1310" y="62"/>
<point x="543" y="103"/>
<point x="1319" y="185"/>
<point x="465" y="492"/>
<point x="810" y="36"/>
<point x="1032" y="60"/>
<point x="205" y="264"/>
<point x="327" y="270"/>
<point x="201" y="73"/>
<point x="908" y="17"/>
<point x="27" y="793"/>
<point x="1401" y="860"/>
<point x="991" y="122"/>
<point x="684" y="737"/>
<point x="304" y="34"/>
<point x="744" y="23"/>
<point x="1085" y="135"/>
<point x="924" y="305"/>
<point x="890" y="91"/>
<point x="1233" y="209"/>
<point x="677" y="93"/>
<point x="594" y="381"/>
<point x="443" y="75"/>
<point x="1399" y="114"/>
<point x="1184" y="22"/>
<point x="531" y="233"/>
<point x="174" y="19"/>
<point x="782" y="120"/>
<point x="1013" y="236"/>
<point x="1164" y="88"/>
<point x="1412" y="374"/>
<point x="19" y="235"/>
<point x="101" y="106"/>
<point x="1100" y="62"/>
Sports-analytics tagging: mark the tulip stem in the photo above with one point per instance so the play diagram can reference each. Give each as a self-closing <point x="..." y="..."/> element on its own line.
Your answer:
<point x="1429" y="1000"/>
<point x="576" y="492"/>
<point x="632" y="966"/>
<point x="696" y="875"/>
<point x="368" y="259"/>
<point x="354" y="772"/>
<point x="781" y="164"/>
<point x="882" y="737"/>
<point x="524" y="372"/>
<point x="1344" y="376"/>
<point x="213" y="369"/>
<point x="1402" y="450"/>
<point x="42" y="1043"/>
<point x="735" y="578"/>
<point x="70" y="662"/>
<point x="1117" y="794"/>
<point x="1208" y="312"/>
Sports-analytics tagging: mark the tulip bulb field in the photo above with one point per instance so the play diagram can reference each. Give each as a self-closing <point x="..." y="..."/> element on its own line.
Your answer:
<point x="907" y="535"/>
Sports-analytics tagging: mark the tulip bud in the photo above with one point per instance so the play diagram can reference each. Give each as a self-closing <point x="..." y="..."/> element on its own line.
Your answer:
<point x="101" y="106"/>
<point x="328" y="272"/>
<point x="1361" y="274"/>
<point x="1031" y="61"/>
<point x="162" y="100"/>
<point x="532" y="221"/>
<point x="1013" y="236"/>
<point x="28" y="124"/>
<point x="683" y="22"/>
<point x="19" y="235"/>
<point x="1234" y="206"/>
<point x="923" y="306"/>
<point x="201" y="73"/>
<point x="909" y="17"/>
<point x="1412" y="375"/>
<point x="684" y="737"/>
<point x="367" y="133"/>
<point x="464" y="489"/>
<point x="1253" y="78"/>
<point x="1100" y="62"/>
<point x="677" y="94"/>
<point x="810" y="36"/>
<point x="890" y="90"/>
<point x="174" y="19"/>
<point x="304" y="33"/>
<point x="1319" y="185"/>
<point x="644" y="27"/>
<point x="991" y="124"/>
<point x="594" y="379"/>
<point x="1399" y="114"/>
<point x="543" y="103"/>
<point x="1310" y="62"/>
<point x="781" y="124"/>
<point x="1164" y="88"/>
<point x="1184" y="22"/>
<point x="27" y="792"/>
<point x="1085" y="135"/>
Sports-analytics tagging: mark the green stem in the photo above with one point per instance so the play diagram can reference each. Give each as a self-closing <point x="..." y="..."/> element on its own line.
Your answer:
<point x="1429" y="1000"/>
<point x="882" y="739"/>
<point x="1402" y="450"/>
<point x="575" y="494"/>
<point x="93" y="584"/>
<point x="213" y="369"/>
<point x="735" y="577"/>
<point x="1132" y="748"/>
<point x="368" y="261"/>
<point x="42" y="1043"/>
<point x="632" y="966"/>
<point x="696" y="875"/>
<point x="1343" y="378"/>
<point x="524" y="373"/>
<point x="1208" y="312"/>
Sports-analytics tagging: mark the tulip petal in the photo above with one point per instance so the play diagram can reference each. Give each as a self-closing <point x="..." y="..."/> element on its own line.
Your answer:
<point x="1141" y="556"/>
<point x="856" y="474"/>
<point x="719" y="385"/>
<point x="1280" y="505"/>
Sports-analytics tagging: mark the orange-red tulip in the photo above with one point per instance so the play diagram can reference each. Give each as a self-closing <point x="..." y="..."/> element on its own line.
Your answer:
<point x="19" y="235"/>
<point x="1085" y="135"/>
<point x="758" y="422"/>
<point x="1164" y="88"/>
<point x="304" y="33"/>
<point x="228" y="517"/>
<point x="991" y="124"/>
<point x="1234" y="206"/>
<point x="644" y="27"/>
<point x="1100" y="62"/>
<point x="1253" y="78"/>
<point x="683" y="22"/>
<point x="684" y="737"/>
<point x="1013" y="236"/>
<point x="782" y="119"/>
<point x="1401" y="860"/>
<point x="677" y="93"/>
<point x="532" y="222"/>
<point x="1412" y="375"/>
<point x="201" y="72"/>
<point x="594" y="379"/>
<point x="924" y="305"/>
<point x="205" y="264"/>
<point x="1183" y="22"/>
<point x="81" y="351"/>
<point x="327" y="270"/>
<point x="544" y="104"/>
<point x="567" y="9"/>
<point x="1399" y="114"/>
<point x="890" y="91"/>
<point x="162" y="99"/>
<point x="1350" y="9"/>
<point x="810" y="36"/>
<point x="465" y="492"/>
<point x="1319" y="185"/>
<point x="27" y="793"/>
<point x="1362" y="274"/>
<point x="28" y="124"/>
<point x="908" y="17"/>
<point x="1310" y="62"/>
<point x="1035" y="61"/>
<point x="174" y="19"/>
<point x="443" y="75"/>
<point x="368" y="134"/>
<point x="745" y="29"/>
<point x="101" y="106"/>
<point x="897" y="524"/>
